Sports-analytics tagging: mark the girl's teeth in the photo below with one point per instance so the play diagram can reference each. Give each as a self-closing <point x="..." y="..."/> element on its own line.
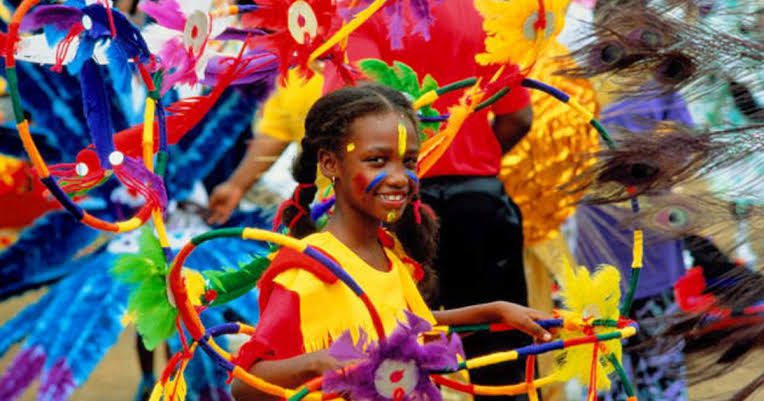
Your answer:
<point x="392" y="197"/>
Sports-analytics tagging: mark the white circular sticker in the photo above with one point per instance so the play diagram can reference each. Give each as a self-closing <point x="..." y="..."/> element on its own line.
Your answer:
<point x="87" y="23"/>
<point x="116" y="158"/>
<point x="81" y="169"/>
<point x="195" y="32"/>
<point x="302" y="22"/>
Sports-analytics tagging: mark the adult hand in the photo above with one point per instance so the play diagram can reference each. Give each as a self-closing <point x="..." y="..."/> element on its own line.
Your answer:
<point x="224" y="199"/>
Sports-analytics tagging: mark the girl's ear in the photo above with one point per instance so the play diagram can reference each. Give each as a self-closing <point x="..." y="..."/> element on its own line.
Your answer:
<point x="329" y="163"/>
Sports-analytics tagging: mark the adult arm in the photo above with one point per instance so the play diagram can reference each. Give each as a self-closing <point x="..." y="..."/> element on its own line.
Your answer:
<point x="510" y="128"/>
<point x="261" y="153"/>
<point x="513" y="117"/>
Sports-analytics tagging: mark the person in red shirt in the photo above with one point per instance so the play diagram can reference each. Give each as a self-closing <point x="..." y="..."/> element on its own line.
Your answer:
<point x="481" y="239"/>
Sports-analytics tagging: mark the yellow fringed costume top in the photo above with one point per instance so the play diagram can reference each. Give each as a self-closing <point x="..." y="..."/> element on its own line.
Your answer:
<point x="304" y="308"/>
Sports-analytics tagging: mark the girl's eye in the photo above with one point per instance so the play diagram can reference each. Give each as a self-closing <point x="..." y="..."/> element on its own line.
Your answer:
<point x="376" y="160"/>
<point x="409" y="162"/>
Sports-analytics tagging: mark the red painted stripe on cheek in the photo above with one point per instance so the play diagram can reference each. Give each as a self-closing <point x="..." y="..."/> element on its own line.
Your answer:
<point x="359" y="184"/>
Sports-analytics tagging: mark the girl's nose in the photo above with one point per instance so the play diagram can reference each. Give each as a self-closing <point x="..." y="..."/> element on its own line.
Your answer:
<point x="397" y="177"/>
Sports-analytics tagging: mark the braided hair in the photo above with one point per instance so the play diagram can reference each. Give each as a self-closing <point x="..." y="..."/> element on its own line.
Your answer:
<point x="326" y="128"/>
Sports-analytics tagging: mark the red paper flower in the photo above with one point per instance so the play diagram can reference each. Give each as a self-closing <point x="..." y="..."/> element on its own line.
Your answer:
<point x="298" y="28"/>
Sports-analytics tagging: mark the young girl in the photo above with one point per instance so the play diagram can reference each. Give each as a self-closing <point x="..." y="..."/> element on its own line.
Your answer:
<point x="365" y="140"/>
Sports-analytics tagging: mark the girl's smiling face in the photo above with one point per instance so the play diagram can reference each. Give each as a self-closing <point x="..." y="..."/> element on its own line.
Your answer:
<point x="375" y="170"/>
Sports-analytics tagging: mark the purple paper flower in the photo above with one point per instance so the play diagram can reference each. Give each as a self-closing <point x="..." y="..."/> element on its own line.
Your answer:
<point x="396" y="369"/>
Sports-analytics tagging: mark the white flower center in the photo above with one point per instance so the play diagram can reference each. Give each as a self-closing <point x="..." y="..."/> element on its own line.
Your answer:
<point x="392" y="375"/>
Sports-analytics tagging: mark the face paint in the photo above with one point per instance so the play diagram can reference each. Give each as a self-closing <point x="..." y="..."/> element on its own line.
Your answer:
<point x="391" y="217"/>
<point x="359" y="183"/>
<point x="414" y="181"/>
<point x="350" y="147"/>
<point x="412" y="176"/>
<point x="401" y="139"/>
<point x="381" y="176"/>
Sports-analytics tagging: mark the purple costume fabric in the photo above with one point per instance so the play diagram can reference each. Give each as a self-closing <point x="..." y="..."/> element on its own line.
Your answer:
<point x="601" y="238"/>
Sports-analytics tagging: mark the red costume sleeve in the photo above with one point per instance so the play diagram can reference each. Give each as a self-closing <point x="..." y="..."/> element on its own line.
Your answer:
<point x="278" y="334"/>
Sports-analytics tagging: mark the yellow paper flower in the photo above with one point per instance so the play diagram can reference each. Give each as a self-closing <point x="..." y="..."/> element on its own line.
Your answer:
<point x="514" y="33"/>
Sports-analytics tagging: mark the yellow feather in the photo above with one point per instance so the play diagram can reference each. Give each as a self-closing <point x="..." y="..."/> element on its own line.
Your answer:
<point x="157" y="392"/>
<point x="8" y="166"/>
<point x="175" y="389"/>
<point x="194" y="285"/>
<point x="589" y="296"/>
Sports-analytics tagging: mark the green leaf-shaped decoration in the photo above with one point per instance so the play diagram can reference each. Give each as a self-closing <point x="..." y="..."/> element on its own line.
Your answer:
<point x="148" y="304"/>
<point x="230" y="284"/>
<point x="403" y="78"/>
<point x="408" y="79"/>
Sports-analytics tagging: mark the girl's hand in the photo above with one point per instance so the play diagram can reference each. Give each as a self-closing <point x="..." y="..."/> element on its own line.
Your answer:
<point x="320" y="361"/>
<point x="521" y="318"/>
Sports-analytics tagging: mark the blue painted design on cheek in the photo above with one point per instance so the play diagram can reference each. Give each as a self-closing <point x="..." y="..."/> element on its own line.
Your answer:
<point x="412" y="176"/>
<point x="381" y="176"/>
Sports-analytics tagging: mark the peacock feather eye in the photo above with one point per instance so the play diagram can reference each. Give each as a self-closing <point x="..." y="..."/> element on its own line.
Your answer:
<point x="674" y="69"/>
<point x="650" y="38"/>
<point x="642" y="171"/>
<point x="673" y="218"/>
<point x="610" y="53"/>
<point x="645" y="38"/>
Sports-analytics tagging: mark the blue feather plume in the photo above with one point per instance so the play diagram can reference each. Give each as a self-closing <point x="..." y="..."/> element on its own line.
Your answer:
<point x="43" y="253"/>
<point x="97" y="113"/>
<point x="204" y="145"/>
<point x="19" y="327"/>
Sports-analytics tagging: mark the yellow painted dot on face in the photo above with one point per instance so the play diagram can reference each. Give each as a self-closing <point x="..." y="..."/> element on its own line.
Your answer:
<point x="391" y="217"/>
<point x="350" y="147"/>
<point x="401" y="139"/>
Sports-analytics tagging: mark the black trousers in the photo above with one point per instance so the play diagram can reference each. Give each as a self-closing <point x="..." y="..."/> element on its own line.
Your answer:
<point x="480" y="260"/>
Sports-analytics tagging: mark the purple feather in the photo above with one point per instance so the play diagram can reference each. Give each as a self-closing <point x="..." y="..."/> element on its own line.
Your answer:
<point x="394" y="12"/>
<point x="21" y="373"/>
<point x="214" y="394"/>
<point x="319" y="210"/>
<point x="61" y="17"/>
<point x="133" y="174"/>
<point x="232" y="33"/>
<point x="347" y="13"/>
<point x="58" y="384"/>
<point x="261" y="66"/>
<point x="344" y="349"/>
<point x="400" y="363"/>
<point x="420" y="9"/>
<point x="167" y="13"/>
